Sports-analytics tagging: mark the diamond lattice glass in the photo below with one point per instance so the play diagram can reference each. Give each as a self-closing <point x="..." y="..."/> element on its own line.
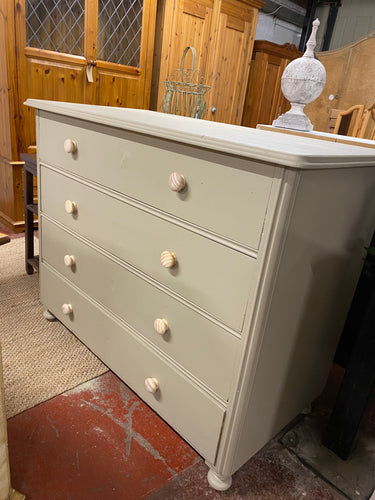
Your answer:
<point x="56" y="25"/>
<point x="119" y="31"/>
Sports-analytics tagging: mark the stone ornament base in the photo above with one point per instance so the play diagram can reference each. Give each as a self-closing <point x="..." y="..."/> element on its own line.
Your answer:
<point x="293" y="121"/>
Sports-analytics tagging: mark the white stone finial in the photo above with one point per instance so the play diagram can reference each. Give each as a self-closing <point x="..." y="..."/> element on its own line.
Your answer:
<point x="311" y="44"/>
<point x="302" y="82"/>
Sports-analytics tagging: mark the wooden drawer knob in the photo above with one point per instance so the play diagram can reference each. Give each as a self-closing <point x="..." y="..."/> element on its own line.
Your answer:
<point x="176" y="181"/>
<point x="67" y="308"/>
<point x="69" y="260"/>
<point x="161" y="325"/>
<point x="70" y="146"/>
<point x="70" y="207"/>
<point x="151" y="384"/>
<point x="168" y="259"/>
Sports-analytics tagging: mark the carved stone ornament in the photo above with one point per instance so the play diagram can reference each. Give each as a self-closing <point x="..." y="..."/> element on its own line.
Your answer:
<point x="302" y="82"/>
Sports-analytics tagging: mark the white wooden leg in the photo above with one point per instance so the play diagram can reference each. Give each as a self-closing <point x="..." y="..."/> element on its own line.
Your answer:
<point x="49" y="316"/>
<point x="217" y="481"/>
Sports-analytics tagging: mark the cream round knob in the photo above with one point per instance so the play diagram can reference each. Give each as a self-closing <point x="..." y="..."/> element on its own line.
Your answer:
<point x="168" y="259"/>
<point x="69" y="260"/>
<point x="70" y="146"/>
<point x="67" y="308"/>
<point x="161" y="325"/>
<point x="151" y="384"/>
<point x="70" y="207"/>
<point x="176" y="181"/>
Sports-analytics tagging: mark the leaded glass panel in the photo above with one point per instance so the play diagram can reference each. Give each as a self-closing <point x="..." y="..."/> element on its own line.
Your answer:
<point x="119" y="31"/>
<point x="56" y="25"/>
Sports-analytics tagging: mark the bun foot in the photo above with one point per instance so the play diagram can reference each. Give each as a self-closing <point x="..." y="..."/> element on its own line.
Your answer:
<point x="48" y="316"/>
<point x="217" y="481"/>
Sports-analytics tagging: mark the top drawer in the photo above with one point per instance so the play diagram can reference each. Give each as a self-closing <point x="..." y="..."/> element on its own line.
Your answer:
<point x="226" y="195"/>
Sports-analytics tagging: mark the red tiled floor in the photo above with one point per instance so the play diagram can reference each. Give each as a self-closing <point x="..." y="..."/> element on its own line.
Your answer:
<point x="98" y="441"/>
<point x="101" y="441"/>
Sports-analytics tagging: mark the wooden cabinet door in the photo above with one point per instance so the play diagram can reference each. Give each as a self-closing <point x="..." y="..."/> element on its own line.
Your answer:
<point x="88" y="51"/>
<point x="230" y="61"/>
<point x="184" y="23"/>
<point x="264" y="99"/>
<point x="222" y="33"/>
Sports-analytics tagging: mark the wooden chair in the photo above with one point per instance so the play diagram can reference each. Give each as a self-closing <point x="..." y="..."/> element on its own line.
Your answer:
<point x="349" y="121"/>
<point x="367" y="127"/>
<point x="332" y="119"/>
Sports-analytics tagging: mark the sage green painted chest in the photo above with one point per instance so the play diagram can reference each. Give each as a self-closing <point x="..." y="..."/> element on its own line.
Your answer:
<point x="209" y="266"/>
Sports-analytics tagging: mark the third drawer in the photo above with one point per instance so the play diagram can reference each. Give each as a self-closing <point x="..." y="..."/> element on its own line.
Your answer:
<point x="202" y="347"/>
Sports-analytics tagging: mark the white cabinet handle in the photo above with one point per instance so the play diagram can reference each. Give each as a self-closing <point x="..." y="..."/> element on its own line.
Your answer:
<point x="67" y="308"/>
<point x="151" y="384"/>
<point x="70" y="146"/>
<point x="70" y="207"/>
<point x="176" y="181"/>
<point x="168" y="259"/>
<point x="161" y="326"/>
<point x="69" y="260"/>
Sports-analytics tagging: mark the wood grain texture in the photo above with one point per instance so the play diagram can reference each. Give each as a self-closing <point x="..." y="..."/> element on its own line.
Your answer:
<point x="229" y="64"/>
<point x="11" y="199"/>
<point x="264" y="100"/>
<point x="8" y="96"/>
<point x="367" y="127"/>
<point x="46" y="74"/>
<point x="62" y="77"/>
<point x="348" y="122"/>
<point x="222" y="33"/>
<point x="5" y="123"/>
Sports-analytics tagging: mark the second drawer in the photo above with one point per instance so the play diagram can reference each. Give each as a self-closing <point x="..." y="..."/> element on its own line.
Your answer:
<point x="199" y="345"/>
<point x="211" y="275"/>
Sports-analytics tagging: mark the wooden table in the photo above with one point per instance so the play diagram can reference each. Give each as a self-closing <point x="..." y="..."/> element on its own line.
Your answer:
<point x="31" y="208"/>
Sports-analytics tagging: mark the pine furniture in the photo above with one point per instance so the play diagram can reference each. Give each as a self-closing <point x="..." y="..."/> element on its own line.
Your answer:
<point x="66" y="51"/>
<point x="210" y="266"/>
<point x="222" y="33"/>
<point x="4" y="238"/>
<point x="264" y="100"/>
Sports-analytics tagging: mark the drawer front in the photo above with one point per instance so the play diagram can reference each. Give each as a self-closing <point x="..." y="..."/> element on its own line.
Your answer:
<point x="202" y="347"/>
<point x="212" y="276"/>
<point x="225" y="195"/>
<point x="185" y="406"/>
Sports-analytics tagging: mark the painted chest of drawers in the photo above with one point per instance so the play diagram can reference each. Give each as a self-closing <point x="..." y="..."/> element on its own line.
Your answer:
<point x="209" y="266"/>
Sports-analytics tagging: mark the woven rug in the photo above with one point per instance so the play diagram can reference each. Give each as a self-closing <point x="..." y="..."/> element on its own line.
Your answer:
<point x="41" y="359"/>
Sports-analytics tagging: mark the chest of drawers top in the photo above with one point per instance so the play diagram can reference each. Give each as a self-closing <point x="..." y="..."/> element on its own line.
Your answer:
<point x="264" y="145"/>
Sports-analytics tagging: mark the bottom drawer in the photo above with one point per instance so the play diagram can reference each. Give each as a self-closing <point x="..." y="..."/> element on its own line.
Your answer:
<point x="184" y="405"/>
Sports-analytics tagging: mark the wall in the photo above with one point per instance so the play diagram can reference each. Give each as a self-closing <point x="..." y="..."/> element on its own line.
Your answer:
<point x="276" y="30"/>
<point x="350" y="80"/>
<point x="355" y="19"/>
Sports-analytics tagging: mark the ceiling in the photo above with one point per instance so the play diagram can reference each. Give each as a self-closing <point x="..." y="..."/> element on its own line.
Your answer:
<point x="288" y="10"/>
